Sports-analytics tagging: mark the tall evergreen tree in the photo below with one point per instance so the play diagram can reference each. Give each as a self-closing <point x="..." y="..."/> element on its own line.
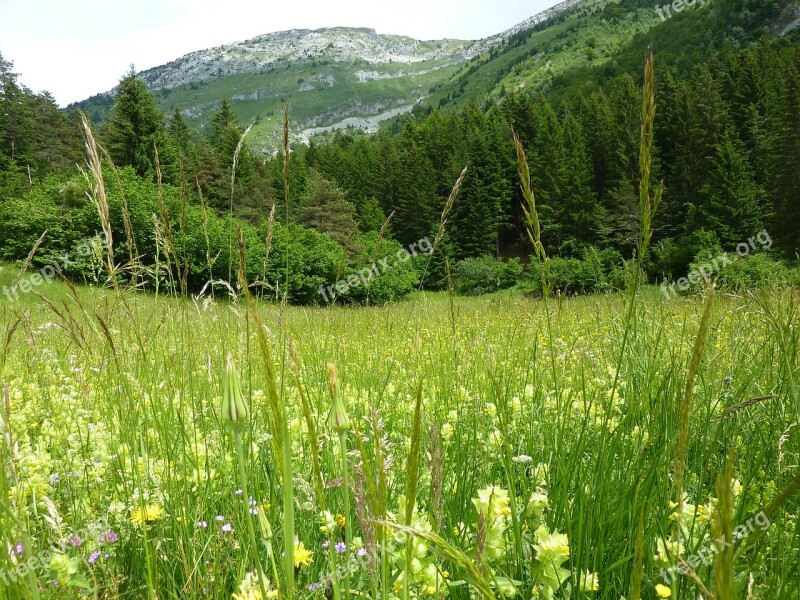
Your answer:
<point x="136" y="127"/>
<point x="732" y="203"/>
<point x="326" y="209"/>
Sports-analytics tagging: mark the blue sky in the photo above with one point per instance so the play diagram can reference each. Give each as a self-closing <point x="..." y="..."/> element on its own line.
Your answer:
<point x="76" y="48"/>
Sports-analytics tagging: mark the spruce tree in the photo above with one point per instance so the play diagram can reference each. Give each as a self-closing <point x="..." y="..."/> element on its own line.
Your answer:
<point x="135" y="128"/>
<point x="326" y="209"/>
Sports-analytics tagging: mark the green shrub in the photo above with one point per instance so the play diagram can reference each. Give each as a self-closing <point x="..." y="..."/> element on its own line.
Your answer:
<point x="742" y="273"/>
<point x="597" y="271"/>
<point x="474" y="276"/>
<point x="383" y="276"/>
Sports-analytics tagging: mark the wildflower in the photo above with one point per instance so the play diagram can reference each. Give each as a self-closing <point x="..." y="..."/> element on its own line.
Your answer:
<point x="447" y="432"/>
<point x="302" y="556"/>
<point x="496" y="438"/>
<point x="328" y="522"/>
<point x="219" y="518"/>
<point x="522" y="459"/>
<point x="201" y="524"/>
<point x="147" y="514"/>
<point x="507" y="589"/>
<point x="340" y="547"/>
<point x="663" y="591"/>
<point x="19" y="548"/>
<point x="492" y="498"/>
<point x="227" y="528"/>
<point x="238" y="492"/>
<point x="516" y="405"/>
<point x="234" y="410"/>
<point x="326" y="544"/>
<point x="313" y="587"/>
<point x="361" y="552"/>
<point x="93" y="558"/>
<point x="341" y="520"/>
<point x="588" y="582"/>
<point x="536" y="505"/>
<point x="107" y="537"/>
<point x="75" y="541"/>
<point x="249" y="589"/>
<point x="551" y="547"/>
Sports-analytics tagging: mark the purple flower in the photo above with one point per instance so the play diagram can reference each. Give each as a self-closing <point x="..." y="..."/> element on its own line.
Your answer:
<point x="75" y="541"/>
<point x="109" y="536"/>
<point x="219" y="518"/>
<point x="201" y="524"/>
<point x="340" y="547"/>
<point x="227" y="528"/>
<point x="362" y="552"/>
<point x="238" y="492"/>
<point x="93" y="558"/>
<point x="54" y="479"/>
<point x="19" y="548"/>
<point x="326" y="544"/>
<point x="314" y="586"/>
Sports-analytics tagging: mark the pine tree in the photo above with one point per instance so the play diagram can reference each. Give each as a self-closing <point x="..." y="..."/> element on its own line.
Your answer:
<point x="326" y="209"/>
<point x="180" y="133"/>
<point x="135" y="128"/>
<point x="578" y="211"/>
<point x="732" y="203"/>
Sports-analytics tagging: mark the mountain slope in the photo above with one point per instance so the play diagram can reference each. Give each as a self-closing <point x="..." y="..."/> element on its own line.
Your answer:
<point x="328" y="76"/>
<point x="333" y="78"/>
<point x="591" y="41"/>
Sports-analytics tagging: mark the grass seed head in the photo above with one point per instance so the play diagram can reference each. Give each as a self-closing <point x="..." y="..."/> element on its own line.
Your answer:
<point x="234" y="410"/>
<point x="340" y="420"/>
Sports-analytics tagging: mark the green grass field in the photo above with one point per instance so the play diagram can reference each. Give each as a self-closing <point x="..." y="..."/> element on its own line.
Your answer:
<point x="120" y="476"/>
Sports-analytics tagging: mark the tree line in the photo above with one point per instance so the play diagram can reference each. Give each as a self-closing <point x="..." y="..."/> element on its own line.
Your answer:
<point x="727" y="147"/>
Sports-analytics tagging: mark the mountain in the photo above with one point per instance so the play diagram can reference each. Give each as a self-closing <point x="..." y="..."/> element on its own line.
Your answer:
<point x="341" y="77"/>
<point x="333" y="78"/>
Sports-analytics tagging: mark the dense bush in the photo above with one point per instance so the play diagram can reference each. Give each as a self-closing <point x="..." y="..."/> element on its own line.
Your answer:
<point x="474" y="276"/>
<point x="596" y="271"/>
<point x="207" y="243"/>
<point x="381" y="276"/>
<point x="742" y="273"/>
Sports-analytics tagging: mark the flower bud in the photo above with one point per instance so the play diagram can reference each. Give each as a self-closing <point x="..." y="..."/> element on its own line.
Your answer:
<point x="234" y="410"/>
<point x="339" y="419"/>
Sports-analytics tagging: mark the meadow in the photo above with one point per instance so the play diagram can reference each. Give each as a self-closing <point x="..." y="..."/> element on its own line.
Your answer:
<point x="531" y="477"/>
<point x="623" y="445"/>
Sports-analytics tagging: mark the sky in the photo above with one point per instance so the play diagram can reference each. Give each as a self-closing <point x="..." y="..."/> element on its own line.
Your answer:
<point x="77" y="48"/>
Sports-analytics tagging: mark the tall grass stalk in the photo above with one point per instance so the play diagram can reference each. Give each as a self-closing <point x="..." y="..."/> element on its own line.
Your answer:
<point x="281" y="440"/>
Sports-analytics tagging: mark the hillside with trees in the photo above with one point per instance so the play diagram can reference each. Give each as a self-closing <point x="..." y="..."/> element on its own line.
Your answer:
<point x="727" y="147"/>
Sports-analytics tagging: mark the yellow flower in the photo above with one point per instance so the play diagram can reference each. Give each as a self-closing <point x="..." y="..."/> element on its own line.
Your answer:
<point x="340" y="519"/>
<point x="302" y="556"/>
<point x="249" y="595"/>
<point x="589" y="582"/>
<point x="663" y="591"/>
<point x="147" y="514"/>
